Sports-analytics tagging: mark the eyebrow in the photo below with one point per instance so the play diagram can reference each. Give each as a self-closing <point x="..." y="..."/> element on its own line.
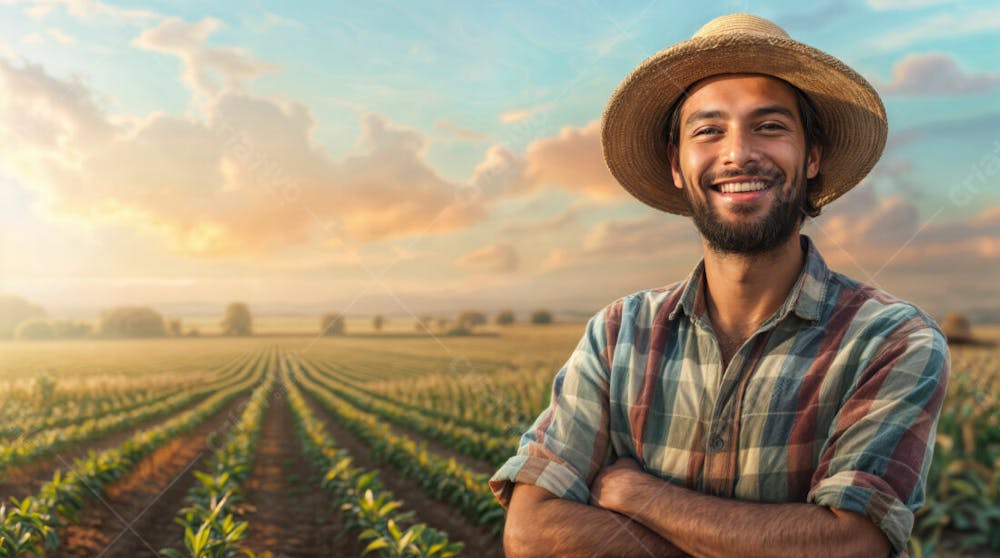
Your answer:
<point x="756" y="113"/>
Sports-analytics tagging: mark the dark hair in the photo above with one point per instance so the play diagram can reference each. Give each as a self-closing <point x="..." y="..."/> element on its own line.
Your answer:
<point x="811" y="124"/>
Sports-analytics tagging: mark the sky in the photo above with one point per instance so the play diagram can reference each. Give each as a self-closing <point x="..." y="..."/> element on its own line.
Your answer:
<point x="409" y="157"/>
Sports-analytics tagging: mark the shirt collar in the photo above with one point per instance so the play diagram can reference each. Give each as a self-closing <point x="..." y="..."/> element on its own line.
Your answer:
<point x="805" y="299"/>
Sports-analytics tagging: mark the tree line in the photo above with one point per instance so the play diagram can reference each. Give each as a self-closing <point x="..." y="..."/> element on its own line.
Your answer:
<point x="21" y="319"/>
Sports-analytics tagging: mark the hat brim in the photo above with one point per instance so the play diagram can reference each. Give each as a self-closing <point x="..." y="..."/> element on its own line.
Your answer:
<point x="634" y="122"/>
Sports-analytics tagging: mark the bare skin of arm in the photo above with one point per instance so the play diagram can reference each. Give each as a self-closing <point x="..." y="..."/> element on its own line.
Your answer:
<point x="710" y="526"/>
<point x="541" y="524"/>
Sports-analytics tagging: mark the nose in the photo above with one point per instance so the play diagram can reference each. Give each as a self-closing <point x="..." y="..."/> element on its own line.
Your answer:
<point x="739" y="148"/>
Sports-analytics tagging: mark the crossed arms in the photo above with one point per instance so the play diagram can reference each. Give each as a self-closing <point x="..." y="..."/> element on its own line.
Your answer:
<point x="633" y="513"/>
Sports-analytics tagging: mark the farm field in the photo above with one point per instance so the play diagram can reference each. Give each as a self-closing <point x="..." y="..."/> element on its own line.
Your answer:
<point x="305" y="446"/>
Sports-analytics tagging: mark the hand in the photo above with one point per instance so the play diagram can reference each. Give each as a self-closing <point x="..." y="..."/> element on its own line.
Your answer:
<point x="613" y="484"/>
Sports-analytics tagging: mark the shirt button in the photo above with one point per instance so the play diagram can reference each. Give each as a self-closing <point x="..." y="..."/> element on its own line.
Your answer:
<point x="716" y="443"/>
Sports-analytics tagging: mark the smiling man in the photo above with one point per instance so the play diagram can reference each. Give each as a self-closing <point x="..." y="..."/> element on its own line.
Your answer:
<point x="766" y="405"/>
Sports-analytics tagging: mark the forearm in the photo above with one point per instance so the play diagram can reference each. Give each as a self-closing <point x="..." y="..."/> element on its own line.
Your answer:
<point x="541" y="525"/>
<point x="710" y="526"/>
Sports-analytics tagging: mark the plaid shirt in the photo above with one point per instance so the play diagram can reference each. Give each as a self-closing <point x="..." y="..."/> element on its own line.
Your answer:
<point x="834" y="400"/>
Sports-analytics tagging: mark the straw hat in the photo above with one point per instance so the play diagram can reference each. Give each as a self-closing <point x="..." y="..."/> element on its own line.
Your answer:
<point x="634" y="122"/>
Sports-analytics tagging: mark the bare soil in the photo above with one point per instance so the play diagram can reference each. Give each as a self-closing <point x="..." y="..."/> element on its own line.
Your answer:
<point x="135" y="516"/>
<point x="479" y="543"/>
<point x="293" y="516"/>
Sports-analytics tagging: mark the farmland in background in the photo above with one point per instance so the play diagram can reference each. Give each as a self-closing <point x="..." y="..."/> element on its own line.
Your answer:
<point x="320" y="446"/>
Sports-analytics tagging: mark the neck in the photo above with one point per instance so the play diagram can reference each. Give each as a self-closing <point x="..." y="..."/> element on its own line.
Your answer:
<point x="742" y="291"/>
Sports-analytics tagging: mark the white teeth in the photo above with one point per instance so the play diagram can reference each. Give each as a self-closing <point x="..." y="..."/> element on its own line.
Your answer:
<point x="733" y="187"/>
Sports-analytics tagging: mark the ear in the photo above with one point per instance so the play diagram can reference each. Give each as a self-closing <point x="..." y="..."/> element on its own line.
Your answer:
<point x="675" y="166"/>
<point x="815" y="155"/>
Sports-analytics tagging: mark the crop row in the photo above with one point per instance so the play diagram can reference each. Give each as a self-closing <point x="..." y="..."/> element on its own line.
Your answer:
<point x="77" y="408"/>
<point x="65" y="396"/>
<point x="502" y="403"/>
<point x="480" y="445"/>
<point x="29" y="526"/>
<point x="369" y="507"/>
<point x="963" y="486"/>
<point x="25" y="450"/>
<point x="442" y="479"/>
<point x="213" y="524"/>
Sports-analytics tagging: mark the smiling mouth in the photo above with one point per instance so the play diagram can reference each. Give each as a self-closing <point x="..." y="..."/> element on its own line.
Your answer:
<point x="740" y="187"/>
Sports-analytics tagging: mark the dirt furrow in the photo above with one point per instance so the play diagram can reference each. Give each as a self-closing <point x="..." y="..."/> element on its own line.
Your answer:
<point x="293" y="516"/>
<point x="440" y="515"/>
<point x="135" y="516"/>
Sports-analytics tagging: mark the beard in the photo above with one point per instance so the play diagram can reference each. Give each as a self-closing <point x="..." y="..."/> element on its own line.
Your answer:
<point x="753" y="237"/>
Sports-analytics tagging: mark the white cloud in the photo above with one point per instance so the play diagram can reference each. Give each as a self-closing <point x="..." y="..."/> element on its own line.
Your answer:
<point x="39" y="11"/>
<point x="247" y="177"/>
<point x="936" y="73"/>
<point x="100" y="10"/>
<point x="939" y="26"/>
<point x="60" y="36"/>
<point x="188" y="41"/>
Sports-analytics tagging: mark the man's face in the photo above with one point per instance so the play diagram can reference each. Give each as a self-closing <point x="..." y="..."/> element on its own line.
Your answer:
<point x="741" y="162"/>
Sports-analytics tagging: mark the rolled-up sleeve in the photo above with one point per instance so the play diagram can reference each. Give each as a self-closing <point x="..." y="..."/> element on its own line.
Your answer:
<point x="879" y="452"/>
<point x="566" y="446"/>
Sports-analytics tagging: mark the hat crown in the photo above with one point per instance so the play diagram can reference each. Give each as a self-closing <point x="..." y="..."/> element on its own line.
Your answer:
<point x="739" y="23"/>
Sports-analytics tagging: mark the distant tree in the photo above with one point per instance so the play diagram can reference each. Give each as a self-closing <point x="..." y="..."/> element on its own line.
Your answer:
<point x="442" y="323"/>
<point x="470" y="319"/>
<point x="541" y="317"/>
<point x="377" y="322"/>
<point x="14" y="310"/>
<point x="332" y="323"/>
<point x="132" y="321"/>
<point x="34" y="328"/>
<point x="505" y="317"/>
<point x="193" y="332"/>
<point x="424" y="324"/>
<point x="237" y="320"/>
<point x="458" y="329"/>
<point x="69" y="329"/>
<point x="174" y="327"/>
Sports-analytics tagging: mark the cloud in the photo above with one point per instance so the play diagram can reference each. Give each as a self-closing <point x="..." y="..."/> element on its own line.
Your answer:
<point x="882" y="5"/>
<point x="543" y="225"/>
<point x="572" y="160"/>
<point x="868" y="233"/>
<point x="493" y="258"/>
<point x="516" y="116"/>
<point x="39" y="11"/>
<point x="188" y="41"/>
<point x="267" y="21"/>
<point x="939" y="26"/>
<point x="817" y="17"/>
<point x="93" y="9"/>
<point x="60" y="36"/>
<point x="653" y="236"/>
<point x="459" y="132"/>
<point x="936" y="74"/>
<point x="245" y="178"/>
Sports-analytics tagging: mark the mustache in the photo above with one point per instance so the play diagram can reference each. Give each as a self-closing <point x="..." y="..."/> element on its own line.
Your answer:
<point x="770" y="175"/>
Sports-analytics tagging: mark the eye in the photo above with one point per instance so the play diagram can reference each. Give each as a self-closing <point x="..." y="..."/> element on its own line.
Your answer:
<point x="772" y="127"/>
<point x="706" y="131"/>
